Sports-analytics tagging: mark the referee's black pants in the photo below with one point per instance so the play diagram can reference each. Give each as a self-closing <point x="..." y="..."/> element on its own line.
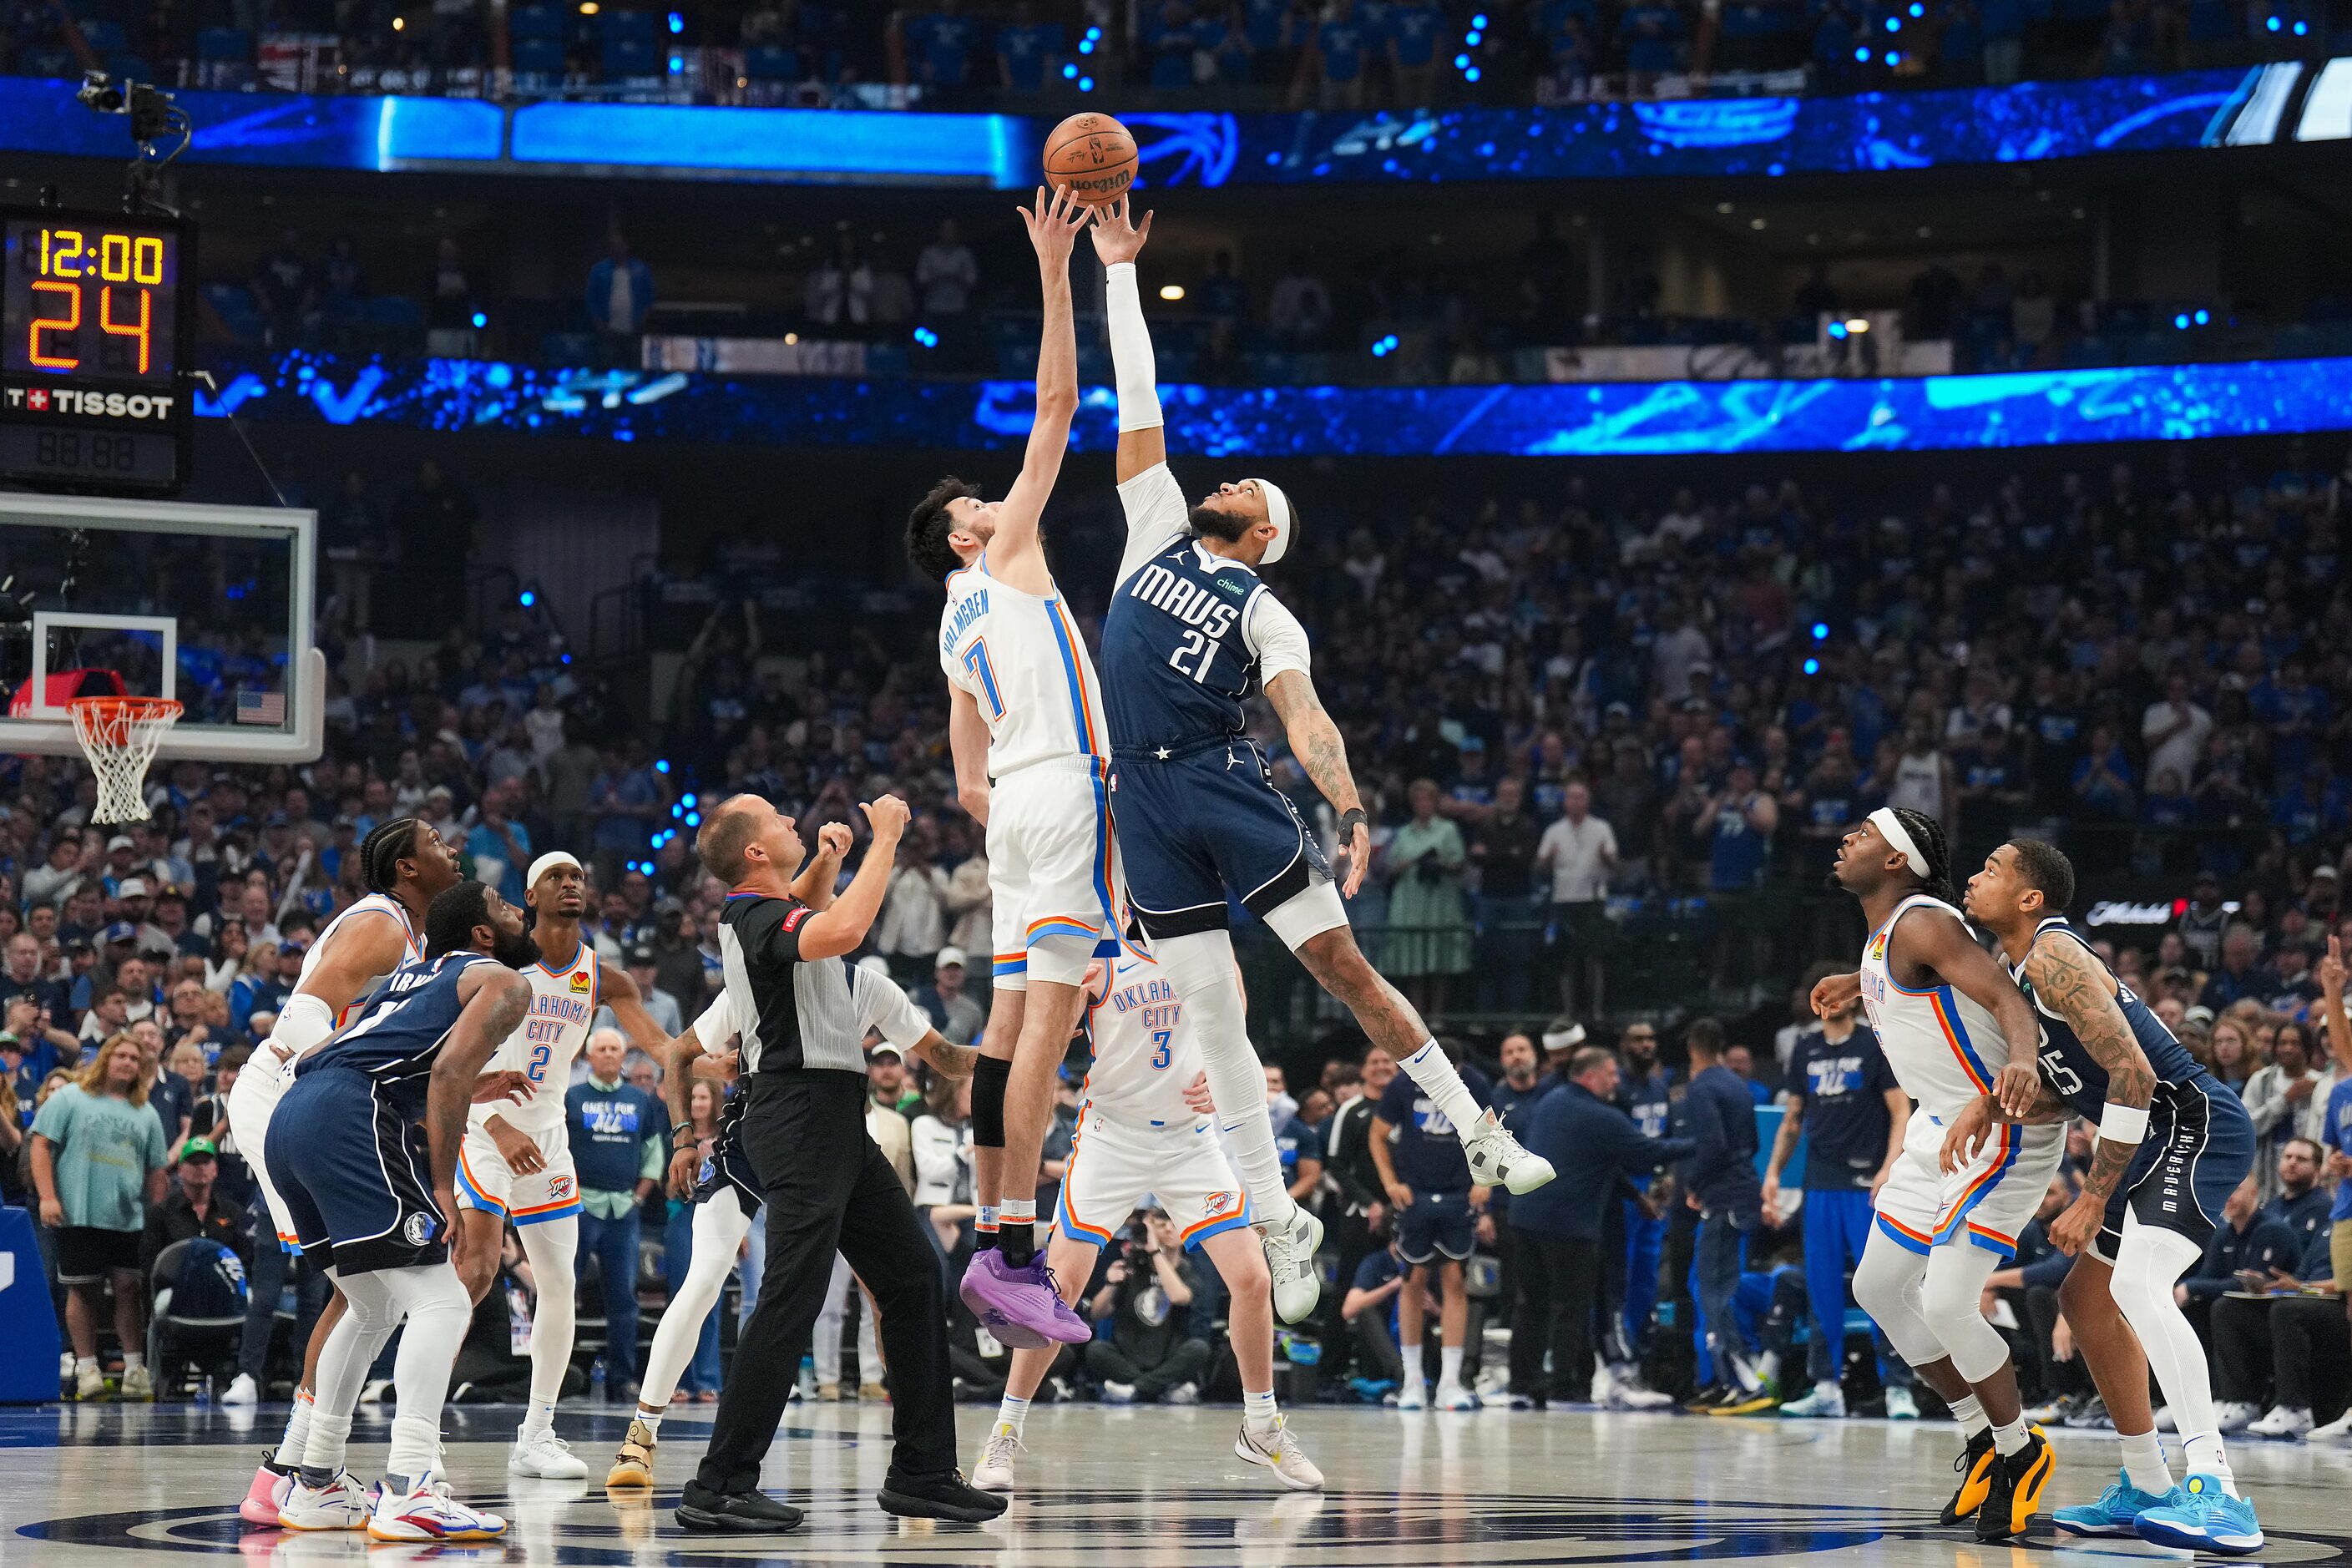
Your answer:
<point x="827" y="1188"/>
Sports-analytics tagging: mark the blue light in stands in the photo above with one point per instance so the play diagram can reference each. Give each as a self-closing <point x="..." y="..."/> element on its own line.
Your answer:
<point x="661" y="765"/>
<point x="1472" y="37"/>
<point x="1820" y="631"/>
<point x="2271" y="23"/>
<point x="1086" y="46"/>
<point x="1861" y="56"/>
<point x="1086" y="84"/>
<point x="1462" y="62"/>
<point x="1069" y="72"/>
<point x="1893" y="57"/>
<point x="1836" y="329"/>
<point x="694" y="819"/>
<point x="678" y="811"/>
<point x="1479" y="21"/>
<point x="678" y="64"/>
<point x="2203" y="317"/>
<point x="677" y="23"/>
<point x="480" y="321"/>
<point x="688" y="801"/>
<point x="927" y="338"/>
<point x="1094" y="35"/>
<point x="1384" y="347"/>
<point x="1812" y="666"/>
<point x="567" y="658"/>
<point x="529" y="598"/>
<point x="1471" y="75"/>
<point x="1894" y="24"/>
<point x="2302" y="29"/>
<point x="2181" y="322"/>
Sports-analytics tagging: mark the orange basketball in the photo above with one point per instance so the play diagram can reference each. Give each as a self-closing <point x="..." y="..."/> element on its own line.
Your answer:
<point x="1094" y="156"/>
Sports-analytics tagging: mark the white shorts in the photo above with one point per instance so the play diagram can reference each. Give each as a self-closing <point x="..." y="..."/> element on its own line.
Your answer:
<point x="1052" y="871"/>
<point x="485" y="1182"/>
<point x="252" y="1099"/>
<point x="1987" y="1202"/>
<point x="1114" y="1166"/>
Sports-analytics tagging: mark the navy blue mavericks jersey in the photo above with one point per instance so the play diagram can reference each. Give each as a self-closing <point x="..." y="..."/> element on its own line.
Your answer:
<point x="2067" y="1065"/>
<point x="400" y="1029"/>
<point x="1175" y="657"/>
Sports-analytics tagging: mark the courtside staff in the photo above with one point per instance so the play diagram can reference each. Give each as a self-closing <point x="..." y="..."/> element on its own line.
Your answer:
<point x="791" y="990"/>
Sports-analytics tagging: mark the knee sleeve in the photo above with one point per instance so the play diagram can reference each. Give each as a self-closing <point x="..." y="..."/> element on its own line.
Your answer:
<point x="1952" y="1302"/>
<point x="552" y="1248"/>
<point x="352" y="1344"/>
<point x="989" y="1077"/>
<point x="1306" y="913"/>
<point x="1886" y="1286"/>
<point x="1201" y="967"/>
<point x="2148" y="1262"/>
<point x="1060" y="958"/>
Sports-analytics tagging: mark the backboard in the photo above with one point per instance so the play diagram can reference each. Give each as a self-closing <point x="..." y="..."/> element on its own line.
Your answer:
<point x="210" y="606"/>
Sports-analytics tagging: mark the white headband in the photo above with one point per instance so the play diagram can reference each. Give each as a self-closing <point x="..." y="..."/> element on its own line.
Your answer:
<point x="1564" y="1039"/>
<point x="1277" y="512"/>
<point x="1890" y="827"/>
<point x="547" y="862"/>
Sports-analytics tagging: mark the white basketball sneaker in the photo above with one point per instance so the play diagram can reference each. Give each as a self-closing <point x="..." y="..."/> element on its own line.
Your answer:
<point x="546" y="1456"/>
<point x="342" y="1504"/>
<point x="996" y="1457"/>
<point x="1290" y="1249"/>
<point x="427" y="1512"/>
<point x="1279" y="1451"/>
<point x="1498" y="1160"/>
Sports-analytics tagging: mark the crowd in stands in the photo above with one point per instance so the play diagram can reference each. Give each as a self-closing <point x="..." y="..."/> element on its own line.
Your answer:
<point x="1608" y="703"/>
<point x="1337" y="55"/>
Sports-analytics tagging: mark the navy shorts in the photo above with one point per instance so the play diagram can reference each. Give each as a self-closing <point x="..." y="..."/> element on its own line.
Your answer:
<point x="1437" y="1223"/>
<point x="2200" y="1146"/>
<point x="358" y="1181"/>
<point x="726" y="1167"/>
<point x="1204" y="824"/>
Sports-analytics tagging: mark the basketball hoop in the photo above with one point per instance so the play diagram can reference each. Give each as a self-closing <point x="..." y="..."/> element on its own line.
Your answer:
<point x="119" y="735"/>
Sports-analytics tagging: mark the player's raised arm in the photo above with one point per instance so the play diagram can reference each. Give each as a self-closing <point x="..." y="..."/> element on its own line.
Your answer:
<point x="1142" y="430"/>
<point x="842" y="928"/>
<point x="1053" y="229"/>
<point x="1315" y="740"/>
<point x="1945" y="946"/>
<point x="620" y="994"/>
<point x="2071" y="982"/>
<point x="495" y="998"/>
<point x="370" y="944"/>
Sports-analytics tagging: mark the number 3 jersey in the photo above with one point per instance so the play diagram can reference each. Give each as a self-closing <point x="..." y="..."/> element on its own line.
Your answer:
<point x="1144" y="1054"/>
<point x="563" y="999"/>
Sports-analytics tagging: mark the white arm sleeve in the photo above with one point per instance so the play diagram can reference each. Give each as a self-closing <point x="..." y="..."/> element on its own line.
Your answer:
<point x="1274" y="637"/>
<point x="1156" y="514"/>
<point x="1132" y="366"/>
<point x="302" y="1022"/>
<point x="881" y="1005"/>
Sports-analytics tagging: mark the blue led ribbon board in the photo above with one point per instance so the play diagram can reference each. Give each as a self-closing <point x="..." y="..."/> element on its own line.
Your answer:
<point x="2142" y="403"/>
<point x="848" y="146"/>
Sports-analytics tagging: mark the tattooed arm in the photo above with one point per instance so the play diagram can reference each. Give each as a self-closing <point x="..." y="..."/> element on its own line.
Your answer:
<point x="1315" y="740"/>
<point x="2074" y="984"/>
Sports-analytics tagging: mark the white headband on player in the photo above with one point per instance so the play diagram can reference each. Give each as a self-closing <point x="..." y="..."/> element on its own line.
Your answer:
<point x="549" y="862"/>
<point x="1564" y="1039"/>
<point x="1277" y="512"/>
<point x="1890" y="827"/>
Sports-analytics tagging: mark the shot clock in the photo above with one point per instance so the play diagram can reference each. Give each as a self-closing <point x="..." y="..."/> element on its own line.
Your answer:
<point x="95" y="315"/>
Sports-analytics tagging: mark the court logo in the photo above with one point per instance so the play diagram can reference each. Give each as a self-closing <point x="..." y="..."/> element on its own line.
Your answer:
<point x="419" y="1229"/>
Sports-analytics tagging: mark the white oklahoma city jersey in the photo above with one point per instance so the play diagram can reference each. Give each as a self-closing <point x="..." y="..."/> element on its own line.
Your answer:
<point x="1945" y="1049"/>
<point x="374" y="903"/>
<point x="1023" y="661"/>
<point x="1144" y="1057"/>
<point x="563" y="998"/>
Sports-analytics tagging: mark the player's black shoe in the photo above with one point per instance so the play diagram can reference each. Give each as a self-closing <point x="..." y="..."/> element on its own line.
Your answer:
<point x="710" y="1512"/>
<point x="1975" y="1466"/>
<point x="1707" y="1398"/>
<point x="944" y="1496"/>
<point x="2015" y="1494"/>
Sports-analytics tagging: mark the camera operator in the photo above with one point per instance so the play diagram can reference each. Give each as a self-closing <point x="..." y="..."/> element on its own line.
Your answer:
<point x="1148" y="1292"/>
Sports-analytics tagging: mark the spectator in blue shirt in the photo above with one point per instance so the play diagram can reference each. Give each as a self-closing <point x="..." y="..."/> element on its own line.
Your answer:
<point x="2271" y="1337"/>
<point x="1440" y="1218"/>
<point x="619" y="1144"/>
<point x="627" y="803"/>
<point x="940" y="47"/>
<point x="1410" y="38"/>
<point x="1369" y="1310"/>
<point x="1026" y="50"/>
<point x="499" y="846"/>
<point x="264" y="985"/>
<point x="1225" y="36"/>
<point x="1340" y="46"/>
<point x="1724" y="1188"/>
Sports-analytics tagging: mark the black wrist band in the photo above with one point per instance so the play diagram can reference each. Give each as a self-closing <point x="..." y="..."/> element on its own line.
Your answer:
<point x="1350" y="818"/>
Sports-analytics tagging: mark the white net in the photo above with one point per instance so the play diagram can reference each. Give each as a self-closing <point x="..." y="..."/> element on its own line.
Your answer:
<point x="119" y="735"/>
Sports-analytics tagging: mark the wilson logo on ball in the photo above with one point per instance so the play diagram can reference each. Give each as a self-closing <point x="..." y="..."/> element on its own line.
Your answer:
<point x="1092" y="155"/>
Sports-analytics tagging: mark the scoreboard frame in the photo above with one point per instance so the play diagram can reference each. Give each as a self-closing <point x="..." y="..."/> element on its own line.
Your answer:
<point x="143" y="432"/>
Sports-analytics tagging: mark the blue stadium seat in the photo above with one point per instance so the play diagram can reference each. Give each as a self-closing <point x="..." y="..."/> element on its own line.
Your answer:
<point x="536" y="22"/>
<point x="103" y="37"/>
<point x="542" y="57"/>
<point x="771" y="62"/>
<point x="223" y="44"/>
<point x="627" y="56"/>
<point x="233" y="303"/>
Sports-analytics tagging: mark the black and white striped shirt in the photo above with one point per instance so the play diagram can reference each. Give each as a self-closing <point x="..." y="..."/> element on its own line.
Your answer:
<point x="792" y="1013"/>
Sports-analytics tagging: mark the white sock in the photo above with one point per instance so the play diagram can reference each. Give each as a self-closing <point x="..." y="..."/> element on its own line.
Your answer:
<point x="89" y="1364"/>
<point x="1434" y="1076"/>
<point x="1258" y="1412"/>
<point x="989" y="1217"/>
<point x="2009" y="1437"/>
<point x="415" y="1448"/>
<point x="2144" y="1464"/>
<point x="650" y="1420"/>
<point x="1010" y="1414"/>
<point x="297" y="1429"/>
<point x="1969" y="1415"/>
<point x="1449" y="1366"/>
<point x="1830" y="1388"/>
<point x="538" y="1416"/>
<point x="2205" y="1457"/>
<point x="133" y="1360"/>
<point x="1022" y="1212"/>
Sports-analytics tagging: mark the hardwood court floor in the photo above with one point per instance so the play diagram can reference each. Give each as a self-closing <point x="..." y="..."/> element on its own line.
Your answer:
<point x="141" y="1487"/>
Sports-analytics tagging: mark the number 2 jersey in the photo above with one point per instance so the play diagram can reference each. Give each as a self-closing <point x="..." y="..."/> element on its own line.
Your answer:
<point x="2067" y="1064"/>
<point x="563" y="999"/>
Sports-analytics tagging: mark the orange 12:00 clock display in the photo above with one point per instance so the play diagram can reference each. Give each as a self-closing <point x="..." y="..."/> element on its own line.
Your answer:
<point x="86" y="301"/>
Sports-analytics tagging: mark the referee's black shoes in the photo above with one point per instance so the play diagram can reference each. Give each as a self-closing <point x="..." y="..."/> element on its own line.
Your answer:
<point x="944" y="1496"/>
<point x="709" y="1512"/>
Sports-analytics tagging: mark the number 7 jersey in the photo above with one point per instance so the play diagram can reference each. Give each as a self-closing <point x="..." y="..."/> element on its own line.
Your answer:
<point x="563" y="999"/>
<point x="1022" y="661"/>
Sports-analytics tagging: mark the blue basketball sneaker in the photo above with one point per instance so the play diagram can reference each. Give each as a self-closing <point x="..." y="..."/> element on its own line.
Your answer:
<point x="2116" y="1511"/>
<point x="2201" y="1517"/>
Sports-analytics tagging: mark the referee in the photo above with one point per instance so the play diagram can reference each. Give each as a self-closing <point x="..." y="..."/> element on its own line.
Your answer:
<point x="825" y="1184"/>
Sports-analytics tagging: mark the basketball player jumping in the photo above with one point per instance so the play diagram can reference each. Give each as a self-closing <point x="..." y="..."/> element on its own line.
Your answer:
<point x="1949" y="1021"/>
<point x="1140" y="1133"/>
<point x="1190" y="631"/>
<point x="2167" y="1131"/>
<point x="371" y="1194"/>
<point x="516" y="1161"/>
<point x="1026" y="724"/>
<point x="717" y="1175"/>
<point x="403" y="865"/>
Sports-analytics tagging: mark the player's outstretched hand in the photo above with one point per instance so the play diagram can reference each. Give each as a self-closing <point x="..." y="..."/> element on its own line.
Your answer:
<point x="1116" y="238"/>
<point x="2019" y="1086"/>
<point x="834" y="838"/>
<point x="1967" y="1131"/>
<point x="684" y="1167"/>
<point x="1358" y="851"/>
<point x="492" y="1087"/>
<point x="889" y="816"/>
<point x="1836" y="994"/>
<point x="2331" y="968"/>
<point x="1054" y="225"/>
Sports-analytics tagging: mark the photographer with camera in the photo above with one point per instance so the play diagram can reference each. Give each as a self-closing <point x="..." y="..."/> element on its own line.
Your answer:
<point x="1152" y="1352"/>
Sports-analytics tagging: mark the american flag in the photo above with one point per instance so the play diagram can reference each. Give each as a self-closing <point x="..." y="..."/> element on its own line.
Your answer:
<point x="262" y="707"/>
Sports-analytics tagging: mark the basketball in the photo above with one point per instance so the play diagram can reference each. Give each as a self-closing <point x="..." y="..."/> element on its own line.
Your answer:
<point x="1094" y="156"/>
